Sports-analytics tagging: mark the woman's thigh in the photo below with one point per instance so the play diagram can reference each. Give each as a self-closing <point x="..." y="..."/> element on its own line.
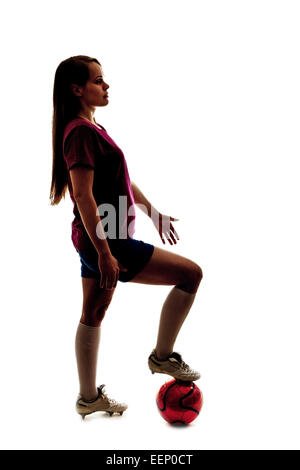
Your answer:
<point x="167" y="268"/>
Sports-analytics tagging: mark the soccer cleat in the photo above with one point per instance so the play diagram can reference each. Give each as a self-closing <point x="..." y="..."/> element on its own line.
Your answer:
<point x="101" y="403"/>
<point x="173" y="365"/>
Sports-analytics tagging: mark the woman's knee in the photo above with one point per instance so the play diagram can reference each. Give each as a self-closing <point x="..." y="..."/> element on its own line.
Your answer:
<point x="95" y="306"/>
<point x="93" y="318"/>
<point x="191" y="278"/>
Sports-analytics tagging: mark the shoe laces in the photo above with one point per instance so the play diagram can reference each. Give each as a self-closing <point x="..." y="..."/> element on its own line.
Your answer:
<point x="110" y="401"/>
<point x="183" y="364"/>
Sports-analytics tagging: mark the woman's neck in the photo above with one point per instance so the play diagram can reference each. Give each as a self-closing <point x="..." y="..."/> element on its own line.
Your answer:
<point x="87" y="119"/>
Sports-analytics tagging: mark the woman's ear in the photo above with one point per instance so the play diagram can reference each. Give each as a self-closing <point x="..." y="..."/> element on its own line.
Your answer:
<point x="75" y="89"/>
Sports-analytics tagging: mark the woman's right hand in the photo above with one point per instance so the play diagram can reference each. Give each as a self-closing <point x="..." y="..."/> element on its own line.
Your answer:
<point x="109" y="268"/>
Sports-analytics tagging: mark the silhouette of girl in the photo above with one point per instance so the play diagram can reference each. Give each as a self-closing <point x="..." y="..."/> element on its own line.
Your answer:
<point x="88" y="163"/>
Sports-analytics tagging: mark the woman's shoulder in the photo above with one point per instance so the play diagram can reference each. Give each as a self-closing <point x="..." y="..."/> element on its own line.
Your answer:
<point x="81" y="126"/>
<point x="77" y="122"/>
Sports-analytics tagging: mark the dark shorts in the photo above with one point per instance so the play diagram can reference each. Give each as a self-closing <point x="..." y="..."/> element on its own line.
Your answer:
<point x="131" y="253"/>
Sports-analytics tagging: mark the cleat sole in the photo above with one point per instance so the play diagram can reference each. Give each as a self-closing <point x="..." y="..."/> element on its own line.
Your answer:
<point x="183" y="379"/>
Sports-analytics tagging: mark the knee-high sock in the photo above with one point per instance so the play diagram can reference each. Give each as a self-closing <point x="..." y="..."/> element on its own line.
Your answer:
<point x="175" y="309"/>
<point x="86" y="347"/>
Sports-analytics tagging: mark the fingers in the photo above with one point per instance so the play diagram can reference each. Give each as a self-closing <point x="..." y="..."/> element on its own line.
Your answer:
<point x="115" y="280"/>
<point x="170" y="240"/>
<point x="173" y="238"/>
<point x="122" y="268"/>
<point x="108" y="283"/>
<point x="115" y="283"/>
<point x="167" y="229"/>
<point x="101" y="280"/>
<point x="174" y="231"/>
<point x="169" y="236"/>
<point x="111" y="283"/>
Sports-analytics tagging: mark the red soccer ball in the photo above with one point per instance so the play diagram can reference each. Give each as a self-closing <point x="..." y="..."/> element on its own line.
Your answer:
<point x="179" y="402"/>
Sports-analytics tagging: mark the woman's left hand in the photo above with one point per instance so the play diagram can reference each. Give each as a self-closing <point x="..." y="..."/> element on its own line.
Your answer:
<point x="163" y="225"/>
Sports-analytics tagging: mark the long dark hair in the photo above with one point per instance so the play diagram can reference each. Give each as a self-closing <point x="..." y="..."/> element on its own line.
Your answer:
<point x="66" y="106"/>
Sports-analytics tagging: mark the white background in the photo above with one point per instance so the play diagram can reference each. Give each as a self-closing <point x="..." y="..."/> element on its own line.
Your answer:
<point x="204" y="102"/>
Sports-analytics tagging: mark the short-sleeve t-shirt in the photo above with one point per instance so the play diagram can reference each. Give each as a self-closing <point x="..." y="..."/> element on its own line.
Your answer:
<point x="85" y="144"/>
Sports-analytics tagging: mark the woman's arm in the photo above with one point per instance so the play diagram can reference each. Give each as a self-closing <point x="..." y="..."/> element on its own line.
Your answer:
<point x="82" y="183"/>
<point x="139" y="198"/>
<point x="161" y="222"/>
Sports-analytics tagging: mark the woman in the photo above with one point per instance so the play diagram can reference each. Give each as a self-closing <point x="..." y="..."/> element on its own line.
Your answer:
<point x="89" y="163"/>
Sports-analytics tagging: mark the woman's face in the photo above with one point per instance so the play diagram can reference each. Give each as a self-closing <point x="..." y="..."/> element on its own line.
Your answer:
<point x="94" y="93"/>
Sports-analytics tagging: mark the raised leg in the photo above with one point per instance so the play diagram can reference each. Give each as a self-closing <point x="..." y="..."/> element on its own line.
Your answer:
<point x="167" y="268"/>
<point x="174" y="311"/>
